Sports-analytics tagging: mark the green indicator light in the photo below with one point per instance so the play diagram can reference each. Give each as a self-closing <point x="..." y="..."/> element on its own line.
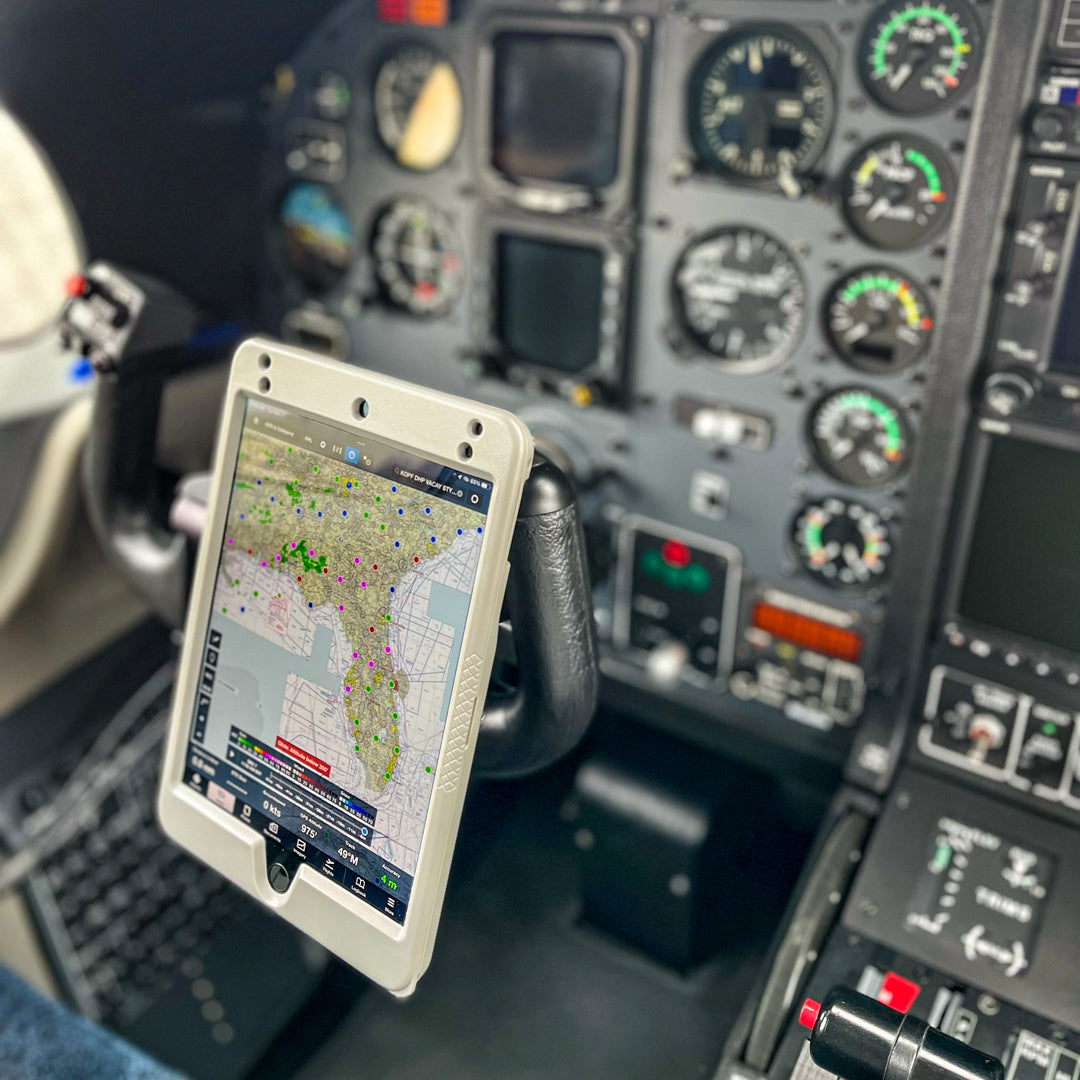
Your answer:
<point x="1049" y="728"/>
<point x="942" y="858"/>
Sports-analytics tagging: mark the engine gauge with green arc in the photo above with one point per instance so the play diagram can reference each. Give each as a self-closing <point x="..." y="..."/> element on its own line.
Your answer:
<point x="898" y="191"/>
<point x="860" y="437"/>
<point x="841" y="543"/>
<point x="917" y="58"/>
<point x="878" y="319"/>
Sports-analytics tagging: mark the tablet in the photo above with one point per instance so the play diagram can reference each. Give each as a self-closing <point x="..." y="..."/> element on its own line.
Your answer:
<point x="338" y="645"/>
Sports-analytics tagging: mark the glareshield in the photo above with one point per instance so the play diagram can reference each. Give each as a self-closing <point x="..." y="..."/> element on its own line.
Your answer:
<point x="346" y="571"/>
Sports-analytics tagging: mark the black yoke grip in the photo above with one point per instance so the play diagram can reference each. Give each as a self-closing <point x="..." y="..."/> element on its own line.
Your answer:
<point x="550" y="606"/>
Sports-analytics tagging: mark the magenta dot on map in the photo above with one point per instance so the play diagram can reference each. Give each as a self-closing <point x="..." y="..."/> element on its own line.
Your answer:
<point x="263" y="563"/>
<point x="278" y="558"/>
<point x="341" y="607"/>
<point x="363" y="584"/>
<point x="339" y="580"/>
<point x="371" y="663"/>
<point x="356" y="656"/>
<point x="230" y="540"/>
<point x="294" y="545"/>
<point x="348" y="689"/>
<point x="357" y="560"/>
<point x="387" y="648"/>
<point x="312" y="552"/>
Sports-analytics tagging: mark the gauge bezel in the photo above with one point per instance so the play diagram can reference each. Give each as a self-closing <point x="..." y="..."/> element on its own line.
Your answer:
<point x="907" y="429"/>
<point x="875" y="22"/>
<point x="835" y="585"/>
<point x="949" y="178"/>
<point x="382" y="211"/>
<point x="548" y="197"/>
<point x="872" y="367"/>
<point x="705" y="160"/>
<point x="395" y="49"/>
<point x="752" y="365"/>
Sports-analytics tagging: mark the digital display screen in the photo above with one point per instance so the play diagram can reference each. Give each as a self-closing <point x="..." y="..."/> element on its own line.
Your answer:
<point x="1023" y="572"/>
<point x="548" y="302"/>
<point x="340" y="600"/>
<point x="1065" y="351"/>
<point x="557" y="107"/>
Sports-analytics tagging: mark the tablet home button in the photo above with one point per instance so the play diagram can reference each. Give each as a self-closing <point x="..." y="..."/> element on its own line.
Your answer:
<point x="278" y="875"/>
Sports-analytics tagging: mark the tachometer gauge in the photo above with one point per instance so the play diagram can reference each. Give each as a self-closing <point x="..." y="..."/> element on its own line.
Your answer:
<point x="740" y="297"/>
<point x="916" y="58"/>
<point x="842" y="543"/>
<point x="418" y="107"/>
<point x="859" y="437"/>
<point x="878" y="320"/>
<point x="898" y="191"/>
<point x="319" y="240"/>
<point x="761" y="106"/>
<point x="417" y="258"/>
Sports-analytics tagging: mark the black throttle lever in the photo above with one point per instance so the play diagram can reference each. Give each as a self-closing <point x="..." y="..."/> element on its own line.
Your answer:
<point x="858" y="1038"/>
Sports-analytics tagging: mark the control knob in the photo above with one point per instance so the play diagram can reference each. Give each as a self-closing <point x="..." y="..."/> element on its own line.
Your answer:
<point x="986" y="733"/>
<point x="1007" y="392"/>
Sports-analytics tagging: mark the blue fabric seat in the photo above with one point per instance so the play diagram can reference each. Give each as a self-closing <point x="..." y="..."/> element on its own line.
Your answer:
<point x="41" y="1040"/>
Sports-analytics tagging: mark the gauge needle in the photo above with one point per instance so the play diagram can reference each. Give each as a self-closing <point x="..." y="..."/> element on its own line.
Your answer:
<point x="883" y="205"/>
<point x="857" y="332"/>
<point x="753" y="58"/>
<point x="901" y="76"/>
<point x="788" y="184"/>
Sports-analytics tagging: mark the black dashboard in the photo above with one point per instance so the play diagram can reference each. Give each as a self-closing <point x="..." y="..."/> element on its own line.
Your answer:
<point x="723" y="264"/>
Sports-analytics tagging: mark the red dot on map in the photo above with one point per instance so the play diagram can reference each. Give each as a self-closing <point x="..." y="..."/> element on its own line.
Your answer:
<point x="416" y="558"/>
<point x="325" y="571"/>
<point x="372" y="629"/>
<point x="374" y="566"/>
<point x="299" y="578"/>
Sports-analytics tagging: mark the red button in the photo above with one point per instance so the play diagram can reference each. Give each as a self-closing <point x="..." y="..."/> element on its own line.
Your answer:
<point x="897" y="992"/>
<point x="75" y="285"/>
<point x="809" y="1012"/>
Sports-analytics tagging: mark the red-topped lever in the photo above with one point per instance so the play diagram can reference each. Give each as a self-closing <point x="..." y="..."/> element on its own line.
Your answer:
<point x="858" y="1038"/>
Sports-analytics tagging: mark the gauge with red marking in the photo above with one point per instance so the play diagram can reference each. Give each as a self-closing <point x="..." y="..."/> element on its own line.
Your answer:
<point x="417" y="257"/>
<point x="841" y="542"/>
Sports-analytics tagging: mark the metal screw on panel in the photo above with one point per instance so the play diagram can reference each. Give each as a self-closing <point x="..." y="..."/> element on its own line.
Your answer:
<point x="640" y="27"/>
<point x="988" y="1005"/>
<point x="868" y="908"/>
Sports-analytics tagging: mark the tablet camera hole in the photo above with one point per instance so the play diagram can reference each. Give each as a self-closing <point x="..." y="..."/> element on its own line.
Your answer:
<point x="476" y="429"/>
<point x="264" y="362"/>
<point x="361" y="408"/>
<point x="264" y="385"/>
<point x="465" y="451"/>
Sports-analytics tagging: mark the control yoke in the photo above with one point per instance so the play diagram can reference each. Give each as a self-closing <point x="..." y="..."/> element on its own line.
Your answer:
<point x="134" y="330"/>
<point x="858" y="1038"/>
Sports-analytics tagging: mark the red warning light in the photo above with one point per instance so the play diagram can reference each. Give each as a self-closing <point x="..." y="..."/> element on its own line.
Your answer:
<point x="676" y="554"/>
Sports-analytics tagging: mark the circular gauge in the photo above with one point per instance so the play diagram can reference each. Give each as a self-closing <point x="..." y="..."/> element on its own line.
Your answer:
<point x="418" y="107"/>
<point x="898" y="191"/>
<point x="920" y="57"/>
<point x="842" y="543"/>
<point x="416" y="257"/>
<point x="741" y="297"/>
<point x="859" y="437"/>
<point x="878" y="320"/>
<point x="319" y="240"/>
<point x="761" y="105"/>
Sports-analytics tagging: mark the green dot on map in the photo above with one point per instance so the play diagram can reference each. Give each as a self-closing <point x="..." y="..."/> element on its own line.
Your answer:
<point x="236" y="581"/>
<point x="397" y="750"/>
<point x="337" y="479"/>
<point x="375" y="737"/>
<point x="387" y="776"/>
<point x="394" y="715"/>
<point x="427" y="768"/>
<point x="366" y="514"/>
<point x="290" y="449"/>
<point x="367" y="689"/>
<point x="357" y="720"/>
<point x="314" y="468"/>
<point x="357" y="748"/>
<point x="381" y="526"/>
<point x="255" y="592"/>
<point x="378" y="498"/>
<point x="224" y="610"/>
<point x="271" y="461"/>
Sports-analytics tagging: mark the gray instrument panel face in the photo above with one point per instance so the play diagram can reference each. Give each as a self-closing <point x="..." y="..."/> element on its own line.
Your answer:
<point x="650" y="457"/>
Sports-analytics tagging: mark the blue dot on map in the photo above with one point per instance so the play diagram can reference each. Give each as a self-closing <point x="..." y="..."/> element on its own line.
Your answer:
<point x="459" y="532"/>
<point x="427" y="509"/>
<point x="310" y="604"/>
<point x="241" y="517"/>
<point x="298" y="509"/>
<point x="391" y="589"/>
<point x="271" y="498"/>
<point x="397" y="543"/>
<point x="320" y="513"/>
<point x="394" y="488"/>
<point x="433" y="539"/>
<point x="479" y="529"/>
<point x="344" y="513"/>
<point x="242" y="610"/>
<point x="348" y="483"/>
<point x="400" y="511"/>
<point x="258" y="483"/>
